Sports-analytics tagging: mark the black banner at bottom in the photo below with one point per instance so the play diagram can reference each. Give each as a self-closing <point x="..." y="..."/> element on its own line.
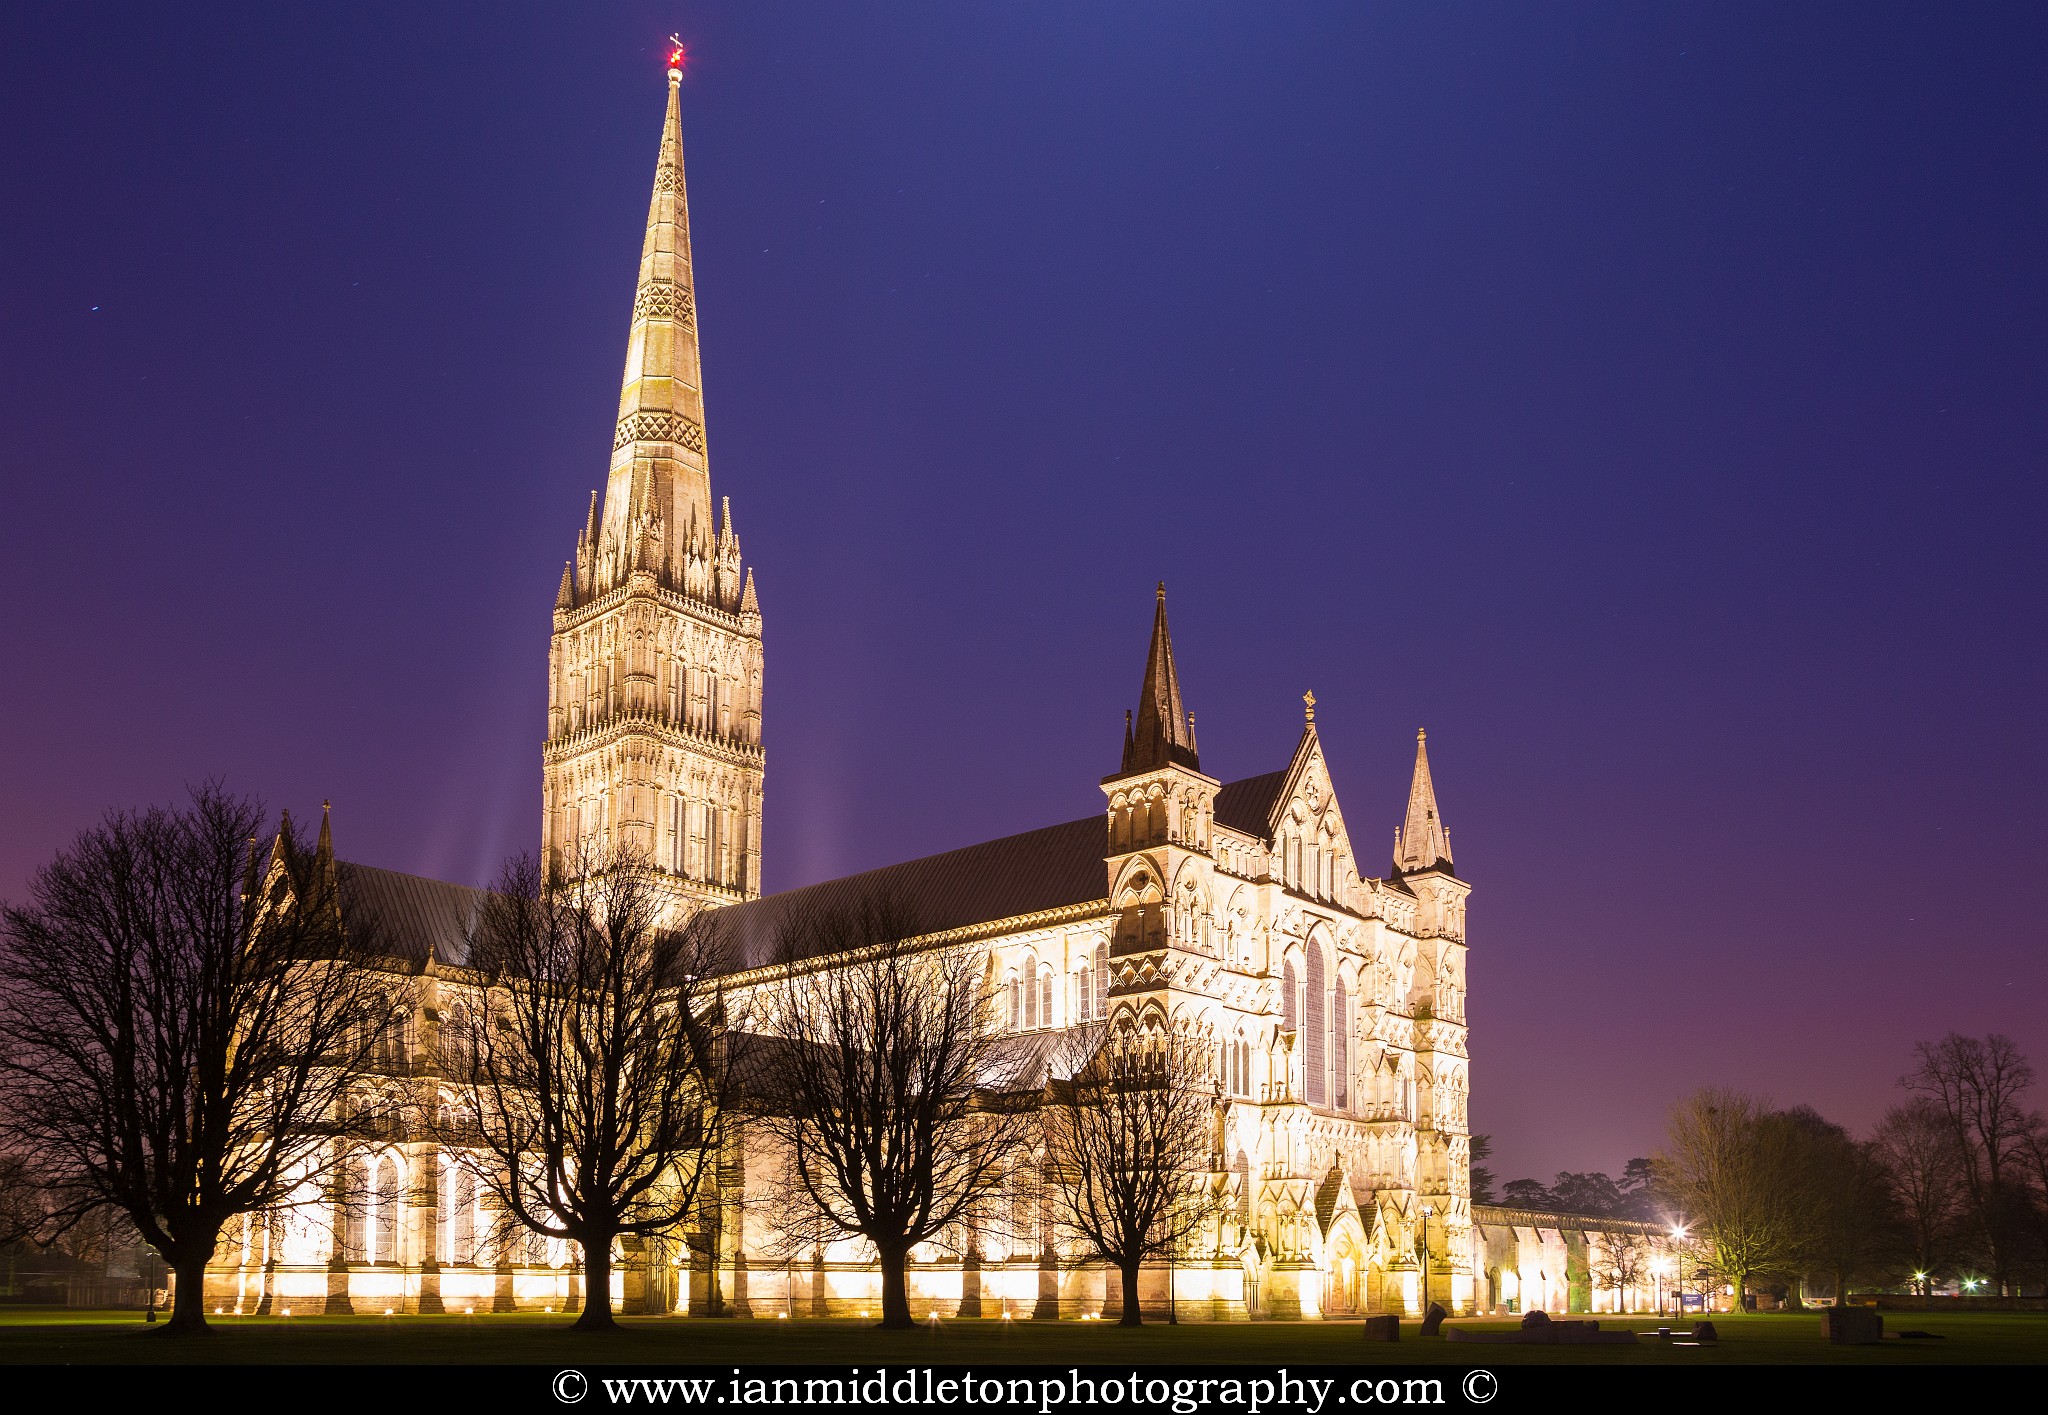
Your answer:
<point x="1012" y="1390"/>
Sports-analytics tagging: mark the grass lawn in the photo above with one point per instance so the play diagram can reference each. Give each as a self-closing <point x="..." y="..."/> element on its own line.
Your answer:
<point x="59" y="1336"/>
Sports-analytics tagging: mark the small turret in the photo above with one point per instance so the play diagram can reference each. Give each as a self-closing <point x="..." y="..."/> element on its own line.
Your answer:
<point x="1163" y="733"/>
<point x="1422" y="843"/>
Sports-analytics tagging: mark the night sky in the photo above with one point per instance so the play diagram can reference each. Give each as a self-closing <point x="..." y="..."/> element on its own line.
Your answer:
<point x="1650" y="400"/>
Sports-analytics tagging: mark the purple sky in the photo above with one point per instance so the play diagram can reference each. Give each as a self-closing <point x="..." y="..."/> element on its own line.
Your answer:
<point x="1648" y="399"/>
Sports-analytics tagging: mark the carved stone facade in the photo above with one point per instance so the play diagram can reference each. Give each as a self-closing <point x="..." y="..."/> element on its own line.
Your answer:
<point x="1331" y="1003"/>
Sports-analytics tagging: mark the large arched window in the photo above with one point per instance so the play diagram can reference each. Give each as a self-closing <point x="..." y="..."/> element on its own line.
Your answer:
<point x="1030" y="991"/>
<point x="1315" y="1056"/>
<point x="1340" y="1047"/>
<point x="457" y="1219"/>
<point x="1084" y="993"/>
<point x="386" y="1210"/>
<point x="1016" y="990"/>
<point x="1290" y="997"/>
<point x="1045" y="992"/>
<point x="1102" y="980"/>
<point x="458" y="1052"/>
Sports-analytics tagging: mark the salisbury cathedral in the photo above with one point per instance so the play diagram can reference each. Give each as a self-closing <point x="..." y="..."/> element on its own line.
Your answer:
<point x="1331" y="996"/>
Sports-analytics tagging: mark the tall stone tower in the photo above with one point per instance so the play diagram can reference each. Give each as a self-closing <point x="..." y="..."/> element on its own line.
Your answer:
<point x="654" y="669"/>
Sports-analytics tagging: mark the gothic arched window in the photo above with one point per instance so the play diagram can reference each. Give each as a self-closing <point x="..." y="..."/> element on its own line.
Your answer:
<point x="1045" y="995"/>
<point x="386" y="1210"/>
<point x="1315" y="1056"/>
<point x="1084" y="994"/>
<point x="1340" y="1037"/>
<point x="458" y="1057"/>
<point x="1102" y="980"/>
<point x="1030" y="992"/>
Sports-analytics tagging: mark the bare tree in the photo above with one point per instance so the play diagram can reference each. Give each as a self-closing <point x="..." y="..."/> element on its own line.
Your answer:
<point x="893" y="1101"/>
<point x="1977" y="1082"/>
<point x="1129" y="1141"/>
<point x="598" y="1071"/>
<point x="2033" y="1154"/>
<point x="1728" y="1167"/>
<point x="177" y="1028"/>
<point x="1842" y="1198"/>
<point x="1622" y="1263"/>
<point x="1917" y="1147"/>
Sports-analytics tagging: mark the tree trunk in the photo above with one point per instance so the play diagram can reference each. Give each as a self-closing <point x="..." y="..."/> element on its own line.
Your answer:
<point x="188" y="1300"/>
<point x="597" y="1288"/>
<point x="895" y="1296"/>
<point x="1133" y="1316"/>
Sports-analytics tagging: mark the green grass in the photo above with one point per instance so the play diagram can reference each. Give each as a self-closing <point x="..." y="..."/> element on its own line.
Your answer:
<point x="58" y="1336"/>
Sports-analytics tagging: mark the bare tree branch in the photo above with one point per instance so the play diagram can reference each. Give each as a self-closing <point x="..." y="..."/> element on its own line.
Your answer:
<point x="1129" y="1146"/>
<point x="596" y="1070"/>
<point x="177" y="1025"/>
<point x="891" y="1098"/>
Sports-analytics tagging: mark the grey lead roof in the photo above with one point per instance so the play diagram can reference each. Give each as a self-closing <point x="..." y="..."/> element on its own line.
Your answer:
<point x="1247" y="805"/>
<point x="1050" y="868"/>
<point x="413" y="917"/>
<point x="1042" y="869"/>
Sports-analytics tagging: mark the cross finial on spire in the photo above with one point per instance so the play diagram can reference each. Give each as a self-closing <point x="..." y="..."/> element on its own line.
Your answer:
<point x="1308" y="702"/>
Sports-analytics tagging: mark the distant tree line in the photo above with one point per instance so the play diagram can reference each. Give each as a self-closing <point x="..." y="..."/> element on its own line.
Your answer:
<point x="1949" y="1189"/>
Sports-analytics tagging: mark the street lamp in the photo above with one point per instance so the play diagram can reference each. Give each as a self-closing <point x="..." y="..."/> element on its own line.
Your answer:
<point x="1427" y="1210"/>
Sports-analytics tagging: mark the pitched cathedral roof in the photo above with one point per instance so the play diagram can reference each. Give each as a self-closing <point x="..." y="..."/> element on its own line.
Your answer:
<point x="1054" y="867"/>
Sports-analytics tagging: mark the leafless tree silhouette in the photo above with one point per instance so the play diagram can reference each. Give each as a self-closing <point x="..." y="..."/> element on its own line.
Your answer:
<point x="891" y="1098"/>
<point x="1129" y="1136"/>
<point x="595" y="1077"/>
<point x="178" y="1023"/>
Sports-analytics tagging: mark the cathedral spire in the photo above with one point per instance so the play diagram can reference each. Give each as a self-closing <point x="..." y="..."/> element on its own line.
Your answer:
<point x="658" y="456"/>
<point x="1162" y="733"/>
<point x="1422" y="842"/>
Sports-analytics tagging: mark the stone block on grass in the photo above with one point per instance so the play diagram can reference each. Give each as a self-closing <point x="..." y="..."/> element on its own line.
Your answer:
<point x="1851" y="1326"/>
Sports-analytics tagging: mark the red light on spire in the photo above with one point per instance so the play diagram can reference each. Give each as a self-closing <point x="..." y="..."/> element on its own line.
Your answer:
<point x="676" y="53"/>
